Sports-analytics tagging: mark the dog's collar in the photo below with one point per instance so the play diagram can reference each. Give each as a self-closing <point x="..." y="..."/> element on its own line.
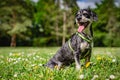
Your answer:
<point x="84" y="38"/>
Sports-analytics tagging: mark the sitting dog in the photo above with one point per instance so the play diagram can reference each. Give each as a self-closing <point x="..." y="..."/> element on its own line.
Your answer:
<point x="79" y="46"/>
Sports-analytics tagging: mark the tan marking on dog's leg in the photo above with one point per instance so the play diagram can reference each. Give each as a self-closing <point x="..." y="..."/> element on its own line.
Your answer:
<point x="59" y="65"/>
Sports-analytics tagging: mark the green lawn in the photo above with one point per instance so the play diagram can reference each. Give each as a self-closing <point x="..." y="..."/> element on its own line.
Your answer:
<point x="25" y="63"/>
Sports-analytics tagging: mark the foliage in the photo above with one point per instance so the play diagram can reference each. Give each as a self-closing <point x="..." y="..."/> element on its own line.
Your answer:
<point x="51" y="22"/>
<point x="26" y="64"/>
<point x="107" y="27"/>
<point x="15" y="17"/>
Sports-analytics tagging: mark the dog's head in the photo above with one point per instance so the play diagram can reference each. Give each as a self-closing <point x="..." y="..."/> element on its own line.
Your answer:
<point x="84" y="17"/>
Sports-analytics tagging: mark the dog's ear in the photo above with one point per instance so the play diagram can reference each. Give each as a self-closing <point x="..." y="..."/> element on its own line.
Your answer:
<point x="75" y="17"/>
<point x="94" y="16"/>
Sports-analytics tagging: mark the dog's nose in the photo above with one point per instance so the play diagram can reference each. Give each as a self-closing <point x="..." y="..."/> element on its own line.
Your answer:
<point x="78" y="18"/>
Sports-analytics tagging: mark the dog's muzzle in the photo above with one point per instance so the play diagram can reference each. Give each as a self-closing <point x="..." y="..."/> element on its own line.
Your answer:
<point x="83" y="19"/>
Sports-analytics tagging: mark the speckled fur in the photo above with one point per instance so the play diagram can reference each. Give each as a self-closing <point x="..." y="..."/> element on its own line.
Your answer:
<point x="65" y="56"/>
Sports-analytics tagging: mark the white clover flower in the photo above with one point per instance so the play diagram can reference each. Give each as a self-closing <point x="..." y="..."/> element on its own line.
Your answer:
<point x="11" y="59"/>
<point x="42" y="58"/>
<point x="10" y="54"/>
<point x="24" y="59"/>
<point x="15" y="62"/>
<point x="112" y="77"/>
<point x="33" y="65"/>
<point x="34" y="58"/>
<point x="15" y="75"/>
<point x="37" y="56"/>
<point x="51" y="53"/>
<point x="29" y="55"/>
<point x="40" y="64"/>
<point x="94" y="77"/>
<point x="19" y="58"/>
<point x="81" y="76"/>
<point x="113" y="60"/>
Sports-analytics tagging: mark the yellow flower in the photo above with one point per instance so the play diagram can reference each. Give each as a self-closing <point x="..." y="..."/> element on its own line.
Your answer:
<point x="16" y="54"/>
<point x="87" y="64"/>
<point x="35" y="67"/>
<point x="99" y="58"/>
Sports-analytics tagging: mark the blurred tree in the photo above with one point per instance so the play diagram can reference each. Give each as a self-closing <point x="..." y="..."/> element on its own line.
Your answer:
<point x="55" y="22"/>
<point x="107" y="27"/>
<point x="15" y="17"/>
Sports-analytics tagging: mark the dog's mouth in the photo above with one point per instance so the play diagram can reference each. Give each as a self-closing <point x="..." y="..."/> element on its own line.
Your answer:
<point x="82" y="26"/>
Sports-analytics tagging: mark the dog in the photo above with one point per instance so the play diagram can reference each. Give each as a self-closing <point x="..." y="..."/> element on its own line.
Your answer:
<point x="79" y="46"/>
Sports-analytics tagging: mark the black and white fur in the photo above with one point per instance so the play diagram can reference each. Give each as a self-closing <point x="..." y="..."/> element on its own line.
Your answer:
<point x="65" y="56"/>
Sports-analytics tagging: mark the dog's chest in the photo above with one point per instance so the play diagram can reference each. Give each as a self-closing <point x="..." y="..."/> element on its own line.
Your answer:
<point x="84" y="45"/>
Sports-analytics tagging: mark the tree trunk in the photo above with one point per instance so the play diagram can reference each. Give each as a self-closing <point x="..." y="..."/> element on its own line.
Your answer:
<point x="13" y="37"/>
<point x="64" y="27"/>
<point x="13" y="40"/>
<point x="57" y="32"/>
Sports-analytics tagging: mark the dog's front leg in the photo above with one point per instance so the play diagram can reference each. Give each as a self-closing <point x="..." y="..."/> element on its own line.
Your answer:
<point x="87" y="59"/>
<point x="77" y="60"/>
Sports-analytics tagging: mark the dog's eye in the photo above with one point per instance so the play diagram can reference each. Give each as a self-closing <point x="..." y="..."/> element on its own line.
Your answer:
<point x="85" y="14"/>
<point x="77" y="15"/>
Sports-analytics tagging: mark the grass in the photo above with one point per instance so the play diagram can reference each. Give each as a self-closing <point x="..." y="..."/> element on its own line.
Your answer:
<point x="25" y="63"/>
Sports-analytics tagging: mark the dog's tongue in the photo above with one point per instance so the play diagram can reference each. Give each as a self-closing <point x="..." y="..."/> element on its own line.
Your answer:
<point x="81" y="28"/>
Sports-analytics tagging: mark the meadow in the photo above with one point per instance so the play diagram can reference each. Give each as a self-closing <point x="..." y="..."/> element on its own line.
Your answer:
<point x="25" y="63"/>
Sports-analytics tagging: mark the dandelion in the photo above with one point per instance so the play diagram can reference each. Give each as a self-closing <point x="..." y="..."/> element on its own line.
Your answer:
<point x="94" y="77"/>
<point x="35" y="67"/>
<point x="112" y="77"/>
<point x="87" y="64"/>
<point x="17" y="54"/>
<point x="99" y="58"/>
<point x="81" y="76"/>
